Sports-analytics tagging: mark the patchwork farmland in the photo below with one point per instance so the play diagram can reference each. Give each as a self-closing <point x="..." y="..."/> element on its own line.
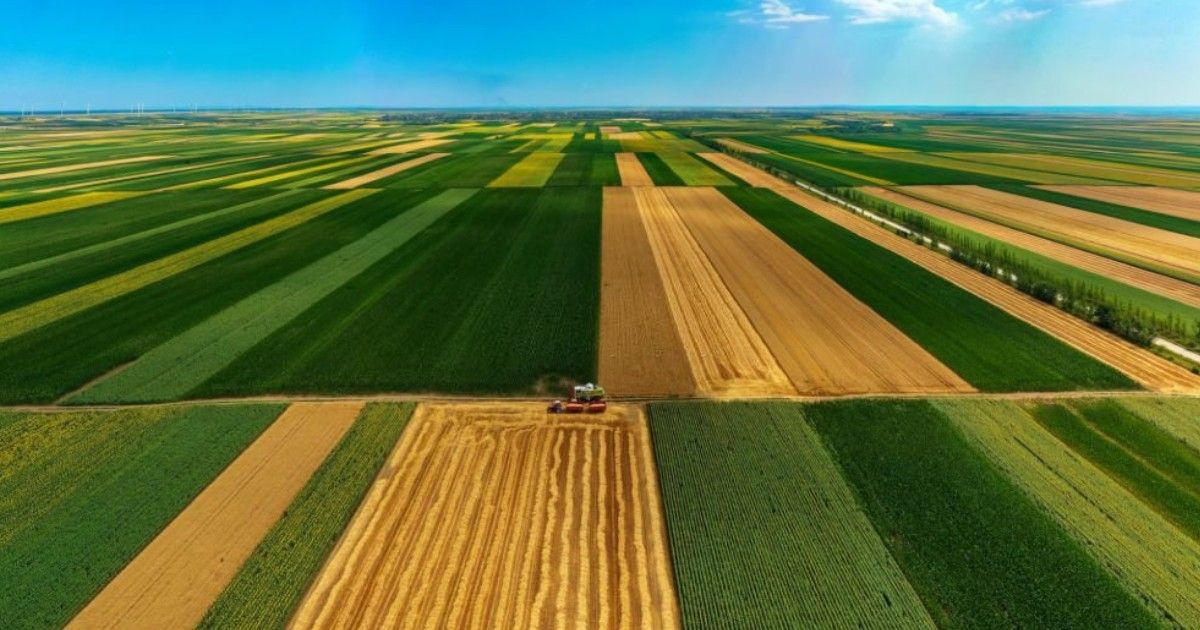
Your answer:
<point x="862" y="370"/>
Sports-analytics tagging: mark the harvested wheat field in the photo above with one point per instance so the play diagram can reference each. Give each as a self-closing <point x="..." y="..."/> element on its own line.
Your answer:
<point x="175" y="579"/>
<point x="502" y="516"/>
<point x="1179" y="203"/>
<point x="1179" y="290"/>
<point x="743" y="171"/>
<point x="726" y="354"/>
<point x="409" y="147"/>
<point x="609" y="129"/>
<point x="1158" y="248"/>
<point x="825" y="340"/>
<point x="738" y="145"/>
<point x="631" y="170"/>
<point x="1149" y="370"/>
<point x="387" y="171"/>
<point x="640" y="350"/>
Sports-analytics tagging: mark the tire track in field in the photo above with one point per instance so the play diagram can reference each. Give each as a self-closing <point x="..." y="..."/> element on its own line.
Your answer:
<point x="500" y="515"/>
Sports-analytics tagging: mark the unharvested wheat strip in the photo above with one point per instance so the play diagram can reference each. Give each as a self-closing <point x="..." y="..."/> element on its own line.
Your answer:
<point x="1179" y="290"/>
<point x="825" y="340"/>
<point x="262" y="181"/>
<point x="532" y="171"/>
<point x="148" y="174"/>
<point x="1145" y="552"/>
<point x="481" y="523"/>
<point x="48" y="207"/>
<point x="69" y="168"/>
<point x="1154" y="247"/>
<point x="726" y="354"/>
<point x="1147" y="369"/>
<point x="115" y="243"/>
<point x="26" y="318"/>
<point x="175" y="579"/>
<point x="631" y="170"/>
<point x="656" y="527"/>
<point x="387" y="171"/>
<point x="1184" y="204"/>
<point x="738" y="145"/>
<point x="184" y="362"/>
<point x="251" y="173"/>
<point x="640" y="350"/>
<point x="409" y="147"/>
<point x="741" y="170"/>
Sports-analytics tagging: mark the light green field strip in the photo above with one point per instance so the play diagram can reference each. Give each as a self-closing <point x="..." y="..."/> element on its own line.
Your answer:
<point x="178" y="366"/>
<point x="148" y="174"/>
<point x="262" y="181"/>
<point x="17" y="322"/>
<point x="224" y="178"/>
<point x="125" y="240"/>
<point x="66" y="204"/>
<point x="531" y="172"/>
<point x="1148" y="555"/>
<point x="70" y="168"/>
<point x="693" y="172"/>
<point x="1019" y="174"/>
<point x="1178" y="416"/>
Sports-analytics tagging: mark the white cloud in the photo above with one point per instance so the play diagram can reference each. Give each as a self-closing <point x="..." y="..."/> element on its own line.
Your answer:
<point x="1099" y="3"/>
<point x="775" y="14"/>
<point x="880" y="11"/>
<point x="1021" y="15"/>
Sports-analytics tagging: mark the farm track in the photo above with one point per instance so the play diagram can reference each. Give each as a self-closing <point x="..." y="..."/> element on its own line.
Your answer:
<point x="387" y="171"/>
<point x="502" y="516"/>
<point x="1166" y="286"/>
<point x="825" y="340"/>
<point x="1153" y="247"/>
<point x="175" y="579"/>
<point x="1184" y="204"/>
<point x="1144" y="367"/>
<point x="727" y="355"/>
<point x="641" y="353"/>
<point x="631" y="170"/>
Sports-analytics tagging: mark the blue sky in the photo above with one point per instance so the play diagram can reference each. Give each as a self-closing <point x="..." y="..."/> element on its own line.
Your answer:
<point x="651" y="52"/>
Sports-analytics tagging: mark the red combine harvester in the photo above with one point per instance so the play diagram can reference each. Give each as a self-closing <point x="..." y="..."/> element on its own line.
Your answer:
<point x="584" y="399"/>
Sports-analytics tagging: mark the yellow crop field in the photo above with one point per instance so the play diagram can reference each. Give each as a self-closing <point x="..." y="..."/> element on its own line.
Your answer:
<point x="847" y="145"/>
<point x="268" y="179"/>
<point x="65" y="204"/>
<point x="532" y="171"/>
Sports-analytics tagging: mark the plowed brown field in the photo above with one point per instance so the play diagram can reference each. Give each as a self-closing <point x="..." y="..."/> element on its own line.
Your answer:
<point x="825" y="340"/>
<point x="1157" y="248"/>
<point x="388" y="171"/>
<point x="1179" y="290"/>
<point x="631" y="170"/>
<point x="726" y="354"/>
<point x="1148" y="369"/>
<point x="501" y="516"/>
<point x="745" y="172"/>
<point x="175" y="579"/>
<point x="1172" y="201"/>
<point x="640" y="350"/>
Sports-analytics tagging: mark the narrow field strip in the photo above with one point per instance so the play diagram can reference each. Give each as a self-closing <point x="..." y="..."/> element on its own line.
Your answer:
<point x="387" y="171"/>
<point x="1085" y="167"/>
<point x="175" y="579"/>
<point x="178" y="366"/>
<point x="825" y="340"/>
<point x="240" y="174"/>
<point x="631" y="170"/>
<point x="1147" y="369"/>
<point x="500" y="515"/>
<point x="738" y="145"/>
<point x="743" y="171"/>
<point x="1184" y="204"/>
<point x="1166" y="286"/>
<point x="76" y="499"/>
<point x="693" y="172"/>
<point x="533" y="171"/>
<point x="269" y="179"/>
<point x="65" y="204"/>
<point x="980" y="552"/>
<point x="764" y="530"/>
<point x="1154" y="248"/>
<point x="24" y="319"/>
<point x="113" y="244"/>
<point x="273" y="580"/>
<point x="70" y="168"/>
<point x="410" y="147"/>
<point x="1143" y="551"/>
<point x="1175" y="416"/>
<point x="148" y="174"/>
<point x="727" y="355"/>
<point x="640" y="350"/>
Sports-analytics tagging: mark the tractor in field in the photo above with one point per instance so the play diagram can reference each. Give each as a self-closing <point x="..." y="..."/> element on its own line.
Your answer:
<point x="587" y="398"/>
